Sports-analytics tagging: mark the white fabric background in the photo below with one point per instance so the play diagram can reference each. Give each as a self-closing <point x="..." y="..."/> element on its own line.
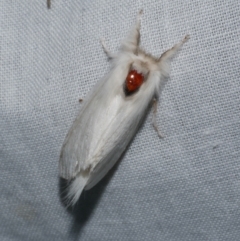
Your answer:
<point x="181" y="188"/>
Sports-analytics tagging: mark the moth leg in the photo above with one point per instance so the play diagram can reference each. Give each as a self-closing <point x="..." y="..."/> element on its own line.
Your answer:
<point x="166" y="56"/>
<point x="154" y="122"/>
<point x="164" y="60"/>
<point x="109" y="54"/>
<point x="130" y="44"/>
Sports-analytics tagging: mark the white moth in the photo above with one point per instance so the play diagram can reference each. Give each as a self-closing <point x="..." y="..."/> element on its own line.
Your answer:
<point x="112" y="113"/>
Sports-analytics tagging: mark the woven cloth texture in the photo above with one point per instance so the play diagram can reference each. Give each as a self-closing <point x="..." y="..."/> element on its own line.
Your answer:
<point x="183" y="187"/>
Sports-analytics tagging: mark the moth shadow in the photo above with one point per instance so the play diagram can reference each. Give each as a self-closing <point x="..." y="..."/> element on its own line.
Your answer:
<point x="86" y="204"/>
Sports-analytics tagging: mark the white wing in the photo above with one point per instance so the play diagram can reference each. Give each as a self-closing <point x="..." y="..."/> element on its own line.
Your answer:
<point x="105" y="126"/>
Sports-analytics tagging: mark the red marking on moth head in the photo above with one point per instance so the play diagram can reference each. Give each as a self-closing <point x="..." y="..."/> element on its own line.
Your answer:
<point x="133" y="81"/>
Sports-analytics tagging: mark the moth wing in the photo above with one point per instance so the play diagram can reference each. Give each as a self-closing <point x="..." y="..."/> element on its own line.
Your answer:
<point x="115" y="148"/>
<point x="123" y="118"/>
<point x="106" y="124"/>
<point x="78" y="140"/>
